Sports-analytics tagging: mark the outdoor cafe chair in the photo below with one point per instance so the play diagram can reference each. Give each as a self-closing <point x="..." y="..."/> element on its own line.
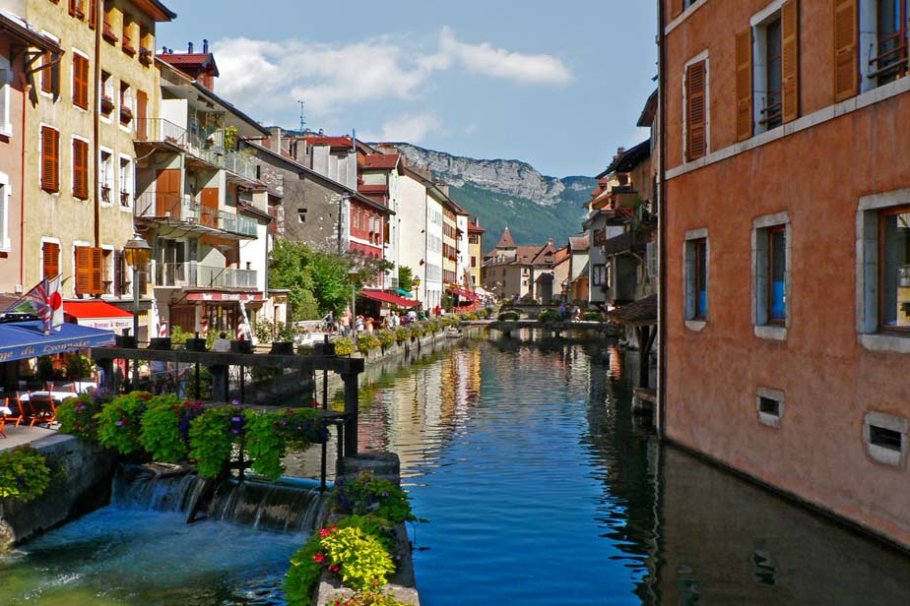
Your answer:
<point x="15" y="406"/>
<point x="44" y="409"/>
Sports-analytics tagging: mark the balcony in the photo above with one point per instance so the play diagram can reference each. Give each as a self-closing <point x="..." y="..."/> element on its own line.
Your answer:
<point x="182" y="208"/>
<point x="193" y="275"/>
<point x="205" y="146"/>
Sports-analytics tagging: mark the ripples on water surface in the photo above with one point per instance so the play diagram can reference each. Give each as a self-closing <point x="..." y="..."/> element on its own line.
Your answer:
<point x="541" y="491"/>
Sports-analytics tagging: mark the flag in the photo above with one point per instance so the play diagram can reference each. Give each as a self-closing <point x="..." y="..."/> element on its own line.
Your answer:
<point x="43" y="300"/>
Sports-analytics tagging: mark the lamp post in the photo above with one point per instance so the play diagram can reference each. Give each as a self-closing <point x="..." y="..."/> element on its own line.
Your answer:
<point x="352" y="277"/>
<point x="136" y="252"/>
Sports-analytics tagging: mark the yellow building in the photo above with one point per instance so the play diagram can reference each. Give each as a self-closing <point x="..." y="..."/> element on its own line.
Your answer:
<point x="475" y="251"/>
<point x="86" y="106"/>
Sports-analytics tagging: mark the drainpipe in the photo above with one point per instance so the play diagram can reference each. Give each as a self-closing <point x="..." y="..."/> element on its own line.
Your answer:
<point x="96" y="124"/>
<point x="662" y="223"/>
<point x="26" y="90"/>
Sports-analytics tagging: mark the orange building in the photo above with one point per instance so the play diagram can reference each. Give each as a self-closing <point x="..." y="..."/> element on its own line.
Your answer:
<point x="786" y="282"/>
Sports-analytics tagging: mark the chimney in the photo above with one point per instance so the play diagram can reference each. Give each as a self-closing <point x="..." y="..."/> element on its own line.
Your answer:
<point x="189" y="48"/>
<point x="275" y="139"/>
<point x="205" y="46"/>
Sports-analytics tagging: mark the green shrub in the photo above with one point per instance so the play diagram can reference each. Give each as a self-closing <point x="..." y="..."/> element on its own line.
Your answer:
<point x="165" y="427"/>
<point x="303" y="575"/>
<point x="119" y="422"/>
<point x="592" y="316"/>
<point x="367" y="342"/>
<point x="548" y="316"/>
<point x="402" y="334"/>
<point x="375" y="526"/>
<point x="205" y="383"/>
<point x="343" y="346"/>
<point x="78" y="416"/>
<point x="211" y="439"/>
<point x="386" y="337"/>
<point x="359" y="558"/>
<point x="489" y="312"/>
<point x="416" y="331"/>
<point x="269" y="434"/>
<point x="470" y="316"/>
<point x="24" y="474"/>
<point x="78" y="367"/>
<point x="509" y="316"/>
<point x="368" y="494"/>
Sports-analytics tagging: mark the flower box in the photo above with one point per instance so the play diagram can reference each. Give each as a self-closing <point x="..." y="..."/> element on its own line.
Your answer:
<point x="107" y="105"/>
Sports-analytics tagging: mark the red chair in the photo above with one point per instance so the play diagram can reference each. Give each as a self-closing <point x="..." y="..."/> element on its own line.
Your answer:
<point x="18" y="414"/>
<point x="44" y="409"/>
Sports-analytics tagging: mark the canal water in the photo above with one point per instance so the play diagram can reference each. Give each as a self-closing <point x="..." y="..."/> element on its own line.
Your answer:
<point x="540" y="488"/>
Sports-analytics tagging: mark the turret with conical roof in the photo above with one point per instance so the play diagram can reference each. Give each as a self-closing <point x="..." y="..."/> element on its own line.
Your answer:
<point x="506" y="240"/>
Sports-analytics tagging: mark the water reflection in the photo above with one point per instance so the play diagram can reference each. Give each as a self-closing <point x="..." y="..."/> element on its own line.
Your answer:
<point x="541" y="488"/>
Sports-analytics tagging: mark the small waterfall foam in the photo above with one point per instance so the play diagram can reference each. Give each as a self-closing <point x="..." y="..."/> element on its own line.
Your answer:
<point x="275" y="507"/>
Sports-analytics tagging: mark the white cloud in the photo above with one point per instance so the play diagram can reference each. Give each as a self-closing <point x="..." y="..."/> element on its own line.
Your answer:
<point x="267" y="78"/>
<point x="500" y="63"/>
<point x="410" y="128"/>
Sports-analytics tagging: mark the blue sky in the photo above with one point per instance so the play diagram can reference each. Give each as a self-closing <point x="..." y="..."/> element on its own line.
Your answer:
<point x="557" y="84"/>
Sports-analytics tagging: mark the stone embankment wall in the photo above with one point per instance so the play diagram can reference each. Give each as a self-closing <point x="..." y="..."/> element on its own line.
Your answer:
<point x="81" y="483"/>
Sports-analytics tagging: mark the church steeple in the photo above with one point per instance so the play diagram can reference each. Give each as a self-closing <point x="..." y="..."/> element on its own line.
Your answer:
<point x="506" y="240"/>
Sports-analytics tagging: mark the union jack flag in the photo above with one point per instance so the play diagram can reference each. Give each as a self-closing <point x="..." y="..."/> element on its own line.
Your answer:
<point x="43" y="300"/>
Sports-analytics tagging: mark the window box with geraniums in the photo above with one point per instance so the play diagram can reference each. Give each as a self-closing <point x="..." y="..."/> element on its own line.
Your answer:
<point x="107" y="105"/>
<point x="126" y="114"/>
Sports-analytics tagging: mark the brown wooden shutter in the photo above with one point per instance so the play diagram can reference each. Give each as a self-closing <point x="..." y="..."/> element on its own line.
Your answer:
<point x="744" y="110"/>
<point x="118" y="273"/>
<point x="80" y="81"/>
<point x="696" y="111"/>
<point x="50" y="260"/>
<point x="80" y="169"/>
<point x="50" y="154"/>
<point x="676" y="8"/>
<point x="47" y="74"/>
<point x="83" y="270"/>
<point x="789" y="27"/>
<point x="97" y="266"/>
<point x="92" y="13"/>
<point x="846" y="59"/>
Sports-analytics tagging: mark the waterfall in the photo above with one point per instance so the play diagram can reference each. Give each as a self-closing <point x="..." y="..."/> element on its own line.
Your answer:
<point x="274" y="506"/>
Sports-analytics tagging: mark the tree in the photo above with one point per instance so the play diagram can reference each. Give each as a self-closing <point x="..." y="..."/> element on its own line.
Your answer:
<point x="317" y="281"/>
<point x="405" y="278"/>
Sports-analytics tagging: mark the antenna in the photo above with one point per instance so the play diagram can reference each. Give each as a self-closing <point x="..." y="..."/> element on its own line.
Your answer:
<point x="302" y="120"/>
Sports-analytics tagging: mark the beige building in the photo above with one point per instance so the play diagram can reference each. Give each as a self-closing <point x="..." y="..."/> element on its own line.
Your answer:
<point x="475" y="252"/>
<point x="79" y="174"/>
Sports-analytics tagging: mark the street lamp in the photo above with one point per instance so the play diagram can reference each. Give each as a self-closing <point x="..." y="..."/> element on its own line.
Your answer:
<point x="136" y="252"/>
<point x="353" y="274"/>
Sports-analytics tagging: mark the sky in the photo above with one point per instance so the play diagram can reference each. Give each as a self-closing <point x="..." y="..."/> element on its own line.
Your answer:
<point x="559" y="85"/>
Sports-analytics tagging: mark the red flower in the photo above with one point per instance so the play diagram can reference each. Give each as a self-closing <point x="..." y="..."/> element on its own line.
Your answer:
<point x="325" y="532"/>
<point x="334" y="568"/>
<point x="319" y="558"/>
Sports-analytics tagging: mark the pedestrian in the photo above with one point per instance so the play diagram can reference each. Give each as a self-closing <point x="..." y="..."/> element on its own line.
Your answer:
<point x="368" y="324"/>
<point x="563" y="312"/>
<point x="576" y="314"/>
<point x="330" y="322"/>
<point x="221" y="344"/>
<point x="437" y="310"/>
<point x="358" y="324"/>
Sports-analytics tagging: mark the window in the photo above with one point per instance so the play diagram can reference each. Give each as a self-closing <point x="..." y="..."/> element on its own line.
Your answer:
<point x="50" y="73"/>
<point x="890" y="61"/>
<point x="769" y="404"/>
<point x="5" y="126"/>
<point x="883" y="271"/>
<point x="5" y="243"/>
<point x="92" y="13"/>
<point x="301" y="215"/>
<point x="107" y="177"/>
<point x="696" y="277"/>
<point x="88" y="264"/>
<point x="80" y="169"/>
<point x="599" y="275"/>
<point x="107" y="28"/>
<point x="886" y="437"/>
<point x="695" y="92"/>
<point x="80" y="81"/>
<point x="679" y="6"/>
<point x="126" y="182"/>
<point x="771" y="275"/>
<point x="126" y="103"/>
<point x="894" y="273"/>
<point x="50" y="260"/>
<point x="107" y="95"/>
<point x="127" y="36"/>
<point x="77" y="9"/>
<point x="50" y="159"/>
<point x="767" y="70"/>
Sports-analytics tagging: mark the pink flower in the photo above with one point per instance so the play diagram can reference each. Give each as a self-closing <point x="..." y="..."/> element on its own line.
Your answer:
<point x="325" y="532"/>
<point x="319" y="558"/>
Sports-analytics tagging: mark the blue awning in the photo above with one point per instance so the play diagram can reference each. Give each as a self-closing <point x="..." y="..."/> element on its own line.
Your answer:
<point x="19" y="340"/>
<point x="403" y="292"/>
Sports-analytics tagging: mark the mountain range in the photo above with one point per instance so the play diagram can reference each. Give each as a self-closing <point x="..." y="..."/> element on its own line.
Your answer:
<point x="511" y="193"/>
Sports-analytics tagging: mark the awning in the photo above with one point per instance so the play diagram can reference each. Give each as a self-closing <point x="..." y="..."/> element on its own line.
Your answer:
<point x="98" y="314"/>
<point x="387" y="297"/>
<point x="20" y="340"/>
<point x="463" y="293"/>
<point x="642" y="312"/>
<point x="403" y="292"/>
